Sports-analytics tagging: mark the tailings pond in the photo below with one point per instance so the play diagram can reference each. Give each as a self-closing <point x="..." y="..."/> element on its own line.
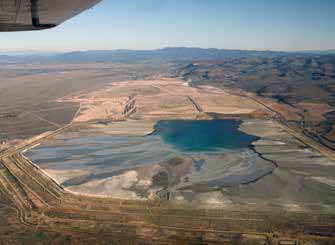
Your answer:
<point x="179" y="159"/>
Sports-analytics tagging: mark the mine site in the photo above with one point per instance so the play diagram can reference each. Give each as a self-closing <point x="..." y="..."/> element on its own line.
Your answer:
<point x="166" y="151"/>
<point x="129" y="140"/>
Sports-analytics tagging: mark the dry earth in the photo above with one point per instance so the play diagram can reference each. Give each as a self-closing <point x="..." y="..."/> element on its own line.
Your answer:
<point x="157" y="99"/>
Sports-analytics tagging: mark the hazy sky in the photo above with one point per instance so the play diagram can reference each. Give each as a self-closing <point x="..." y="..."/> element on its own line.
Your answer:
<point x="150" y="24"/>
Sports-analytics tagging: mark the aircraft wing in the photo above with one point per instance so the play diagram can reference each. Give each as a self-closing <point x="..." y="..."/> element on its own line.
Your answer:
<point x="25" y="15"/>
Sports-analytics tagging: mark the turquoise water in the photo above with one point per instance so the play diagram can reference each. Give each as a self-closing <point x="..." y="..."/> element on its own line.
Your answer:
<point x="181" y="155"/>
<point x="203" y="136"/>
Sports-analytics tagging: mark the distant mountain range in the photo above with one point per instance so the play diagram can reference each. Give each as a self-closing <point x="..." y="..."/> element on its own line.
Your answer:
<point x="321" y="52"/>
<point x="133" y="56"/>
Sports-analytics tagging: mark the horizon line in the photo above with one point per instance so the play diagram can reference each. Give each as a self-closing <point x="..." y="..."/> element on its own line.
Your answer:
<point x="166" y="47"/>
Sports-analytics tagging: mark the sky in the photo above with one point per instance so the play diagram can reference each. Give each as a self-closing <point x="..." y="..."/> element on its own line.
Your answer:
<point x="285" y="25"/>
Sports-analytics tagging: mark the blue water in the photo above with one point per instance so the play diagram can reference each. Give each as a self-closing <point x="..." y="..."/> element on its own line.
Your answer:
<point x="203" y="136"/>
<point x="217" y="150"/>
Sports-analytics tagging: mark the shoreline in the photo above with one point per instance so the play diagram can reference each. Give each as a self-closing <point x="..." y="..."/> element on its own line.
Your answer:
<point x="250" y="147"/>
